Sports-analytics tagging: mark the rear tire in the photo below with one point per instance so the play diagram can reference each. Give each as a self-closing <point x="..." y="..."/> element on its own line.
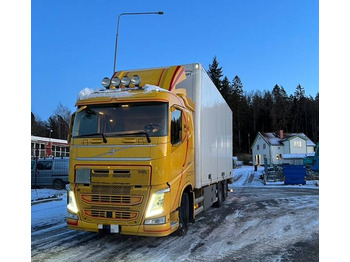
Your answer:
<point x="225" y="190"/>
<point x="219" y="195"/>
<point x="184" y="215"/>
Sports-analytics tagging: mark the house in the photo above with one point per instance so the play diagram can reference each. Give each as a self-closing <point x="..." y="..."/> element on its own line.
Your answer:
<point x="281" y="148"/>
<point x="45" y="147"/>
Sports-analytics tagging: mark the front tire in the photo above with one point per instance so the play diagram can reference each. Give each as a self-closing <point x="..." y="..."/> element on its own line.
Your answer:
<point x="184" y="215"/>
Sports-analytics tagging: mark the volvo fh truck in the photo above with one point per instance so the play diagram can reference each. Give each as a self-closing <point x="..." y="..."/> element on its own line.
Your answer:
<point x="149" y="152"/>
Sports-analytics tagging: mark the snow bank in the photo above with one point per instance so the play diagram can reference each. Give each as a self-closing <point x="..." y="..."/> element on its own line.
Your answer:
<point x="44" y="193"/>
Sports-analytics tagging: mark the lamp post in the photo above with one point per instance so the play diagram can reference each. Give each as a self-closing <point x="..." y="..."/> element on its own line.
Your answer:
<point x="49" y="149"/>
<point x="116" y="39"/>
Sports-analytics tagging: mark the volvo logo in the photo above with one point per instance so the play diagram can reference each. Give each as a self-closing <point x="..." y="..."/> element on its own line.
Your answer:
<point x="113" y="151"/>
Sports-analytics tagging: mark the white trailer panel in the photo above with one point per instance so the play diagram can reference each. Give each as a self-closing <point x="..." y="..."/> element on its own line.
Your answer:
<point x="213" y="127"/>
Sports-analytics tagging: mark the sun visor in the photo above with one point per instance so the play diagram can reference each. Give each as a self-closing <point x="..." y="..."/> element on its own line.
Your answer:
<point x="166" y="78"/>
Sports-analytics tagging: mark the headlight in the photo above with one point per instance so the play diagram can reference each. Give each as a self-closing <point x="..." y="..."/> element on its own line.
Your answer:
<point x="155" y="205"/>
<point x="82" y="176"/>
<point x="72" y="204"/>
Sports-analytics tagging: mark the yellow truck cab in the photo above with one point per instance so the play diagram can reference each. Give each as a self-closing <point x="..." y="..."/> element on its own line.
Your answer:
<point x="148" y="152"/>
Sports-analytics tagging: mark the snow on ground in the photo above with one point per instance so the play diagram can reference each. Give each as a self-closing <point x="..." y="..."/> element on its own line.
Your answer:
<point x="45" y="193"/>
<point x="44" y="214"/>
<point x="245" y="176"/>
<point x="257" y="222"/>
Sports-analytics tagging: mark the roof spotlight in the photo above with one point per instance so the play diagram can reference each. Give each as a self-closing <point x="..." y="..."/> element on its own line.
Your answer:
<point x="115" y="82"/>
<point x="136" y="80"/>
<point x="125" y="81"/>
<point x="106" y="82"/>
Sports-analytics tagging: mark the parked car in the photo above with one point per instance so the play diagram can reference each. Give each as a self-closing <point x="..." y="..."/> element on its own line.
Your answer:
<point x="50" y="172"/>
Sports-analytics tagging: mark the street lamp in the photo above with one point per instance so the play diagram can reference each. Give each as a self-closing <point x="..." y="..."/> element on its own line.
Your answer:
<point x="116" y="40"/>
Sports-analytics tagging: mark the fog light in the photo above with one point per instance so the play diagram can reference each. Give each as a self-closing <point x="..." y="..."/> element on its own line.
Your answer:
<point x="106" y="82"/>
<point x="126" y="81"/>
<point x="155" y="221"/>
<point x="136" y="80"/>
<point x="72" y="216"/>
<point x="115" y="82"/>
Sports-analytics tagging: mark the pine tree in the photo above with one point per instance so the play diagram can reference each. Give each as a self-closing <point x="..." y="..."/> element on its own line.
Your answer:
<point x="280" y="108"/>
<point x="226" y="89"/>
<point x="237" y="105"/>
<point x="215" y="73"/>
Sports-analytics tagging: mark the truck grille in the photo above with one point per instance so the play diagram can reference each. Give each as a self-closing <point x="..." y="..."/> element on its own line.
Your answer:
<point x="117" y="215"/>
<point x="111" y="190"/>
<point x="112" y="199"/>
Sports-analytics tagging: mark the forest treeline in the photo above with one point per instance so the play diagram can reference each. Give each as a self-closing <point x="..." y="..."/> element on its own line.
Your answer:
<point x="253" y="112"/>
<point x="265" y="111"/>
<point x="57" y="126"/>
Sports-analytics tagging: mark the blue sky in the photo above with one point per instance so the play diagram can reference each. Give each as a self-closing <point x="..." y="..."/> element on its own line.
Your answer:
<point x="263" y="42"/>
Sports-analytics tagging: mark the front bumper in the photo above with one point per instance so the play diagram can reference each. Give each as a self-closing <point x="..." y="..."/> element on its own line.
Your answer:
<point x="141" y="230"/>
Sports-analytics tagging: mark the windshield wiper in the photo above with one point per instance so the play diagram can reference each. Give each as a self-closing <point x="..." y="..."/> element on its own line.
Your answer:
<point x="95" y="134"/>
<point x="130" y="133"/>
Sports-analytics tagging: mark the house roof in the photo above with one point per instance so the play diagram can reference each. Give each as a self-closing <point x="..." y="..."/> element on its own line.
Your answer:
<point x="273" y="138"/>
<point x="47" y="139"/>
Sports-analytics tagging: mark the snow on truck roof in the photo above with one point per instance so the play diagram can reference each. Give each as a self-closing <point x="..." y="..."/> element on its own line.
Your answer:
<point x="88" y="93"/>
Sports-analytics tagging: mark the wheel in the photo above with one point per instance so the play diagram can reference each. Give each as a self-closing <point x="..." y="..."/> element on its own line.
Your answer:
<point x="183" y="215"/>
<point x="58" y="184"/>
<point x="225" y="190"/>
<point x="219" y="195"/>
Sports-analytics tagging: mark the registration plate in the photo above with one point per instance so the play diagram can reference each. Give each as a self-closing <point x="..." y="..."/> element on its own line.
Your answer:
<point x="109" y="228"/>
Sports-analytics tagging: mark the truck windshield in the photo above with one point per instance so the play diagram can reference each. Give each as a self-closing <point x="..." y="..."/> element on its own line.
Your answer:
<point x="122" y="119"/>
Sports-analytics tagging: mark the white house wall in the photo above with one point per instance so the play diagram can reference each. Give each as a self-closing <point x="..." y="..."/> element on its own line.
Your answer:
<point x="295" y="149"/>
<point x="261" y="152"/>
<point x="310" y="149"/>
<point x="276" y="154"/>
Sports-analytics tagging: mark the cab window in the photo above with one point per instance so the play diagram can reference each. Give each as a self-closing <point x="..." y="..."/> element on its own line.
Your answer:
<point x="176" y="126"/>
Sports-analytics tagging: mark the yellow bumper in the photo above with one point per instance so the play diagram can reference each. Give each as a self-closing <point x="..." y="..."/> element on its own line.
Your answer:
<point x="140" y="230"/>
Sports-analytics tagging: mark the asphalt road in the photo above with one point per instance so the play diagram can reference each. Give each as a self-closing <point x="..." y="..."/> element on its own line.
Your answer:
<point x="253" y="224"/>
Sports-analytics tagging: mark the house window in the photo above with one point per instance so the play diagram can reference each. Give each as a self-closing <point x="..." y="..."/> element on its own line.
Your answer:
<point x="264" y="146"/>
<point x="257" y="147"/>
<point x="297" y="143"/>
